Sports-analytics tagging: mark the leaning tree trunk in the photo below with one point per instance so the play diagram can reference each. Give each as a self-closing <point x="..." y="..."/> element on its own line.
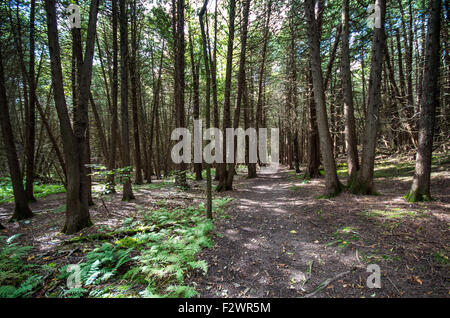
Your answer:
<point x="364" y="182"/>
<point x="21" y="210"/>
<point x="420" y="188"/>
<point x="332" y="184"/>
<point x="127" y="194"/>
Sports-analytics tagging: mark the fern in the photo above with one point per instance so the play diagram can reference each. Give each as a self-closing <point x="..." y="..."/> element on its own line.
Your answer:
<point x="16" y="278"/>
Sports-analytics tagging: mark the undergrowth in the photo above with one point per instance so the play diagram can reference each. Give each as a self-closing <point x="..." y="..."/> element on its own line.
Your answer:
<point x="17" y="279"/>
<point x="151" y="263"/>
<point x="40" y="190"/>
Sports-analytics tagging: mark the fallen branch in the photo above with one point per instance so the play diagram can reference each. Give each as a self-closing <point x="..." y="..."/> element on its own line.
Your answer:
<point x="325" y="284"/>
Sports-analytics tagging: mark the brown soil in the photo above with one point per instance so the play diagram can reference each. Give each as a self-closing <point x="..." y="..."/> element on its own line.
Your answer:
<point x="277" y="241"/>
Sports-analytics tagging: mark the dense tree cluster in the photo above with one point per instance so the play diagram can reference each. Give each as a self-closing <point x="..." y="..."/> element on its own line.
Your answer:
<point x="336" y="79"/>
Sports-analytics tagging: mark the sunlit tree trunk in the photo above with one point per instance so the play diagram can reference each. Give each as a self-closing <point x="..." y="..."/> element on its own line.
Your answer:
<point x="364" y="183"/>
<point x="332" y="184"/>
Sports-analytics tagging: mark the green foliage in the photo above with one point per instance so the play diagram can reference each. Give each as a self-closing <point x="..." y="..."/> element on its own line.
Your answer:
<point x="164" y="253"/>
<point x="102" y="173"/>
<point x="441" y="258"/>
<point x="101" y="264"/>
<point x="40" y="190"/>
<point x="168" y="255"/>
<point x="191" y="175"/>
<point x="17" y="279"/>
<point x="219" y="204"/>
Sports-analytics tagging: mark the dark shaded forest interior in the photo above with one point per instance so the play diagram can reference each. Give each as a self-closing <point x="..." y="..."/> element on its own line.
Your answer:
<point x="119" y="177"/>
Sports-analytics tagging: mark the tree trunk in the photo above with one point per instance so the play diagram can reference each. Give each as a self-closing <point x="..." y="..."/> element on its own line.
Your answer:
<point x="222" y="167"/>
<point x="420" y="188"/>
<point x="77" y="210"/>
<point x="179" y="48"/>
<point x="207" y="109"/>
<point x="259" y="103"/>
<point x="332" y="184"/>
<point x="134" y="97"/>
<point x="350" y="128"/>
<point x="364" y="183"/>
<point x="196" y="83"/>
<point x="31" y="123"/>
<point x="114" y="92"/>
<point x="312" y="169"/>
<point x="21" y="210"/>
<point x="240" y="89"/>
<point x="127" y="194"/>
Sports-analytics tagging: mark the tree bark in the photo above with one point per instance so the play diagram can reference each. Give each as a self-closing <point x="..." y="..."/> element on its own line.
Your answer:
<point x="364" y="183"/>
<point x="196" y="90"/>
<point x="134" y="96"/>
<point x="179" y="48"/>
<point x="350" y="128"/>
<point x="31" y="123"/>
<point x="207" y="109"/>
<point x="127" y="194"/>
<point x="420" y="188"/>
<point x="240" y="89"/>
<point x="77" y="210"/>
<point x="114" y="92"/>
<point x="332" y="184"/>
<point x="21" y="209"/>
<point x="222" y="167"/>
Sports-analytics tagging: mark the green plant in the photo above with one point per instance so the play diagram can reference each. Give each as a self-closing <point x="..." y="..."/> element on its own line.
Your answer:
<point x="101" y="264"/>
<point x="17" y="279"/>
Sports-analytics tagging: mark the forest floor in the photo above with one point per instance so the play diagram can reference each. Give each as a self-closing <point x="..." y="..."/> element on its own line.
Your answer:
<point x="277" y="238"/>
<point x="282" y="241"/>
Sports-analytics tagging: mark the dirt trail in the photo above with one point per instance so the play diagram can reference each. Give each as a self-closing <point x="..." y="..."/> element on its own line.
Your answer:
<point x="276" y="243"/>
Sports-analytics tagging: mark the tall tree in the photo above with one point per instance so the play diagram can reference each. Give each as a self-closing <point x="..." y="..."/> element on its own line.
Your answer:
<point x="21" y="209"/>
<point x="195" y="68"/>
<point x="31" y="113"/>
<point x="127" y="194"/>
<point x="207" y="107"/>
<point x="114" y="93"/>
<point x="332" y="183"/>
<point x="350" y="128"/>
<point x="420" y="188"/>
<point x="77" y="209"/>
<point x="134" y="92"/>
<point x="240" y="88"/>
<point x="179" y="48"/>
<point x="227" y="98"/>
<point x="364" y="182"/>
<point x="259" y="103"/>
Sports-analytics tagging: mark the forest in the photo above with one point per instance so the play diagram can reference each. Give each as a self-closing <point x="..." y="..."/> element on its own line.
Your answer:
<point x="341" y="188"/>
